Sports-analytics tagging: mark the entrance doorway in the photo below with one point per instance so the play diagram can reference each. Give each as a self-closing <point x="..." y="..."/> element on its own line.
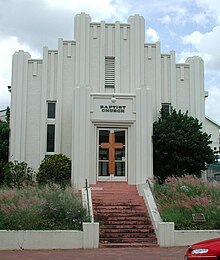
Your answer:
<point x="112" y="154"/>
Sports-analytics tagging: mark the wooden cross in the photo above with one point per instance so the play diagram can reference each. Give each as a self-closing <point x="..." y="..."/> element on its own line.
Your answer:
<point x="111" y="146"/>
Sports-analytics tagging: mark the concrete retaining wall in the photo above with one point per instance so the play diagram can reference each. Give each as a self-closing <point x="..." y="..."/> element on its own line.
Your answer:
<point x="165" y="231"/>
<point x="55" y="239"/>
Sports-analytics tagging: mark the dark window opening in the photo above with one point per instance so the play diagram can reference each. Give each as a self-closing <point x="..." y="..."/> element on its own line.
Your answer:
<point x="51" y="110"/>
<point x="50" y="138"/>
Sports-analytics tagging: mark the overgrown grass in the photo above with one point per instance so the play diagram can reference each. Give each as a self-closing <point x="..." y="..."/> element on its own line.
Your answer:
<point x="45" y="208"/>
<point x="179" y="198"/>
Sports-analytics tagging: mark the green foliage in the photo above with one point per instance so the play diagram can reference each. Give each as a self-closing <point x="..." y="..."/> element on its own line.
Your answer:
<point x="17" y="174"/>
<point x="55" y="169"/>
<point x="180" y="146"/>
<point x="179" y="198"/>
<point x="63" y="210"/>
<point x="46" y="208"/>
<point x="4" y="143"/>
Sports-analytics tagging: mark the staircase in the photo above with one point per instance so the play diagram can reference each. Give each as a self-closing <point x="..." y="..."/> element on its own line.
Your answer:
<point x="122" y="216"/>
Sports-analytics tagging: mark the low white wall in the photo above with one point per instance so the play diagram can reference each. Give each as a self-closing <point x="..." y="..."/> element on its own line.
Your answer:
<point x="165" y="231"/>
<point x="145" y="191"/>
<point x="55" y="239"/>
<point x="189" y="237"/>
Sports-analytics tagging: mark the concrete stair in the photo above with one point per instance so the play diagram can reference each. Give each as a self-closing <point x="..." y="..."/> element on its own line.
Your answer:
<point x="122" y="216"/>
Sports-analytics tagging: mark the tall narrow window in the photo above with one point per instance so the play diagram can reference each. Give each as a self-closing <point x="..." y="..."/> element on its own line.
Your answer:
<point x="51" y="123"/>
<point x="50" y="138"/>
<point x="51" y="110"/>
<point x="109" y="72"/>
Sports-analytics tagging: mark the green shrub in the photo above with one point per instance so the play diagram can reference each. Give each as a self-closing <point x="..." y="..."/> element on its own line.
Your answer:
<point x="63" y="210"/>
<point x="17" y="174"/>
<point x="2" y="165"/>
<point x="41" y="208"/>
<point x="55" y="169"/>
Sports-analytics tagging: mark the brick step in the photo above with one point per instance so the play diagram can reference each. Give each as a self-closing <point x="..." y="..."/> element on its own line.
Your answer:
<point x="117" y="212"/>
<point x="127" y="206"/>
<point x="116" y="203"/>
<point x="128" y="240"/>
<point x="127" y="222"/>
<point x="107" y="213"/>
<point x="123" y="231"/>
<point x="116" y="196"/>
<point x="127" y="245"/>
<point x="113" y="191"/>
<point x="126" y="226"/>
<point x="126" y="235"/>
<point x="121" y="207"/>
<point x="112" y="185"/>
<point x="123" y="218"/>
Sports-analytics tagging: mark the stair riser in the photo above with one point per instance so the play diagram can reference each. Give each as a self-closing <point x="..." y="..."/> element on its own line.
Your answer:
<point x="124" y="231"/>
<point x="123" y="223"/>
<point x="127" y="245"/>
<point x="122" y="214"/>
<point x="123" y="227"/>
<point x="123" y="218"/>
<point x="127" y="240"/>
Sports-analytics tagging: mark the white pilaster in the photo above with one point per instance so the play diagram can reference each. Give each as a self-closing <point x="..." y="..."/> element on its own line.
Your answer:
<point x="59" y="102"/>
<point x="173" y="84"/>
<point x="197" y="100"/>
<point x="82" y="36"/>
<point x="81" y="137"/>
<point x="43" y="116"/>
<point x="158" y="97"/>
<point x="136" y="51"/>
<point x="144" y="154"/>
<point x="102" y="58"/>
<point x="18" y="106"/>
<point x="117" y="57"/>
<point x="165" y="90"/>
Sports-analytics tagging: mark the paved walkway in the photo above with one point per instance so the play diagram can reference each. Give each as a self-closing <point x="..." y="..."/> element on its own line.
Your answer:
<point x="156" y="253"/>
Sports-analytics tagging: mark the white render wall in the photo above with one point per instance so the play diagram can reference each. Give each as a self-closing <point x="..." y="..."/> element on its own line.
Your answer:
<point x="73" y="76"/>
<point x="212" y="128"/>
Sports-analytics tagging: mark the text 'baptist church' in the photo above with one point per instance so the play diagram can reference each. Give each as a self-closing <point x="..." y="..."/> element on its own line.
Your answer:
<point x="113" y="109"/>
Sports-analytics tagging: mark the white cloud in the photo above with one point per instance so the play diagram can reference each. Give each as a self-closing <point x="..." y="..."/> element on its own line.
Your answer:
<point x="7" y="47"/>
<point x="207" y="45"/>
<point x="210" y="7"/>
<point x="104" y="9"/>
<point x="194" y="38"/>
<point x="201" y="18"/>
<point x="165" y="20"/>
<point x="152" y="35"/>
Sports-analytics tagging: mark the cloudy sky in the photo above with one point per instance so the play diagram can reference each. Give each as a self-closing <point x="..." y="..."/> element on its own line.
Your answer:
<point x="189" y="28"/>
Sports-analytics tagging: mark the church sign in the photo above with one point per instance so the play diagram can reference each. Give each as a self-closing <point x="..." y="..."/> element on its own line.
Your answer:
<point x="112" y="108"/>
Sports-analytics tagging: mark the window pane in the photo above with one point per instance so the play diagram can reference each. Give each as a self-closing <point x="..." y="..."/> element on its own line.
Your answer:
<point x="51" y="110"/>
<point x="50" y="138"/>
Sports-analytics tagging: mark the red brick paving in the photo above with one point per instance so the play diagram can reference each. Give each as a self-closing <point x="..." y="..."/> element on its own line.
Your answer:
<point x="157" y="253"/>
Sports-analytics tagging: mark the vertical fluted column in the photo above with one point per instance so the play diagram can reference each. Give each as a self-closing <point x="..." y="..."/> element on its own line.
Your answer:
<point x="136" y="52"/>
<point x="18" y="106"/>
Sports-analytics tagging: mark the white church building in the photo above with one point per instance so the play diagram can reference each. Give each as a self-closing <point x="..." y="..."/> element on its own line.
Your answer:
<point x="95" y="99"/>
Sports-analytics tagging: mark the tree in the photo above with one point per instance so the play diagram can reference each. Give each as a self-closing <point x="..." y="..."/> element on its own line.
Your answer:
<point x="4" y="143"/>
<point x="180" y="145"/>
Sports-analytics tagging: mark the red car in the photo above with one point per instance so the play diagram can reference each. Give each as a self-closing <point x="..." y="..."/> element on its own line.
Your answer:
<point x="205" y="250"/>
